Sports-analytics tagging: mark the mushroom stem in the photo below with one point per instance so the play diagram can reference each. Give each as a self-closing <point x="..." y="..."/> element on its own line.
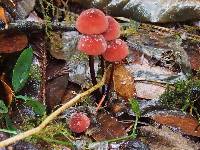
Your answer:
<point x="93" y="76"/>
<point x="92" y="71"/>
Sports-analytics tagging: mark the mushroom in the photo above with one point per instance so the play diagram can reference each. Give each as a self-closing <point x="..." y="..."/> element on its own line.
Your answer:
<point x="113" y="31"/>
<point x="116" y="50"/>
<point x="92" y="21"/>
<point x="92" y="44"/>
<point x="79" y="122"/>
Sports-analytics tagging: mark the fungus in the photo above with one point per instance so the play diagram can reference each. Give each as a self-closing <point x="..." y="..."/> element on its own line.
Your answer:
<point x="92" y="44"/>
<point x="113" y="31"/>
<point x="92" y="21"/>
<point x="116" y="51"/>
<point x="79" y="122"/>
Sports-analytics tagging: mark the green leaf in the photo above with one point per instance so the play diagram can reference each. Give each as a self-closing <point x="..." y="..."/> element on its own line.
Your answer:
<point x="22" y="69"/>
<point x="9" y="123"/>
<point x="8" y="131"/>
<point x="25" y="98"/>
<point x="135" y="107"/>
<point x="37" y="107"/>
<point x="3" y="108"/>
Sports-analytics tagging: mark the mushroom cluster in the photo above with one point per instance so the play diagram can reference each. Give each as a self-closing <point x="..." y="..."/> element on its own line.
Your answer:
<point x="100" y="35"/>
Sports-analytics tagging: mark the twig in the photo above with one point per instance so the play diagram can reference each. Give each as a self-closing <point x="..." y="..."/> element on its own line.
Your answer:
<point x="110" y="81"/>
<point x="52" y="116"/>
<point x="23" y="25"/>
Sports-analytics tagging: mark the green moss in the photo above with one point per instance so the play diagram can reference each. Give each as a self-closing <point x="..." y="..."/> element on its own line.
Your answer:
<point x="50" y="134"/>
<point x="185" y="95"/>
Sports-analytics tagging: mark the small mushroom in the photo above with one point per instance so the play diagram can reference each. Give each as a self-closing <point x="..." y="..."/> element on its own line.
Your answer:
<point x="79" y="122"/>
<point x="92" y="44"/>
<point x="92" y="21"/>
<point x="113" y="31"/>
<point x="116" y="51"/>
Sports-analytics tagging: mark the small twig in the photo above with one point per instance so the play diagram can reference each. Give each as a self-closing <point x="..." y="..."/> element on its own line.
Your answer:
<point x="23" y="25"/>
<point x="102" y="65"/>
<point x="110" y="81"/>
<point x="52" y="116"/>
<point x="100" y="103"/>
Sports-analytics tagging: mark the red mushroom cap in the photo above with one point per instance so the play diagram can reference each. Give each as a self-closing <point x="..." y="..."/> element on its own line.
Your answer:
<point x="79" y="122"/>
<point x="92" y="21"/>
<point x="116" y="50"/>
<point x="92" y="44"/>
<point x="113" y="31"/>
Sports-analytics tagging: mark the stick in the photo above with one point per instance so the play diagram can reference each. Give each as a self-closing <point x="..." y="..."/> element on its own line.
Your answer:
<point x="52" y="116"/>
<point x="23" y="25"/>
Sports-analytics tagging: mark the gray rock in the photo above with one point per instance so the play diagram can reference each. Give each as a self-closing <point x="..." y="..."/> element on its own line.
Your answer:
<point x="161" y="11"/>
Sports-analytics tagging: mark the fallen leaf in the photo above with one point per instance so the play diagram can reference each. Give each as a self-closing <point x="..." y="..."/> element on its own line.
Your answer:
<point x="8" y="90"/>
<point x="187" y="124"/>
<point x="57" y="81"/>
<point x="123" y="82"/>
<point x="3" y="20"/>
<point x="109" y="128"/>
<point x="14" y="42"/>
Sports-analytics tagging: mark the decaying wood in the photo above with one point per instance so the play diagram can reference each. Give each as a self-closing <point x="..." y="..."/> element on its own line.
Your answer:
<point x="23" y="25"/>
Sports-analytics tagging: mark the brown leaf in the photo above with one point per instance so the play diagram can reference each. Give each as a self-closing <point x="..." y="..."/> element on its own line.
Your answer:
<point x="57" y="81"/>
<point x="3" y="19"/>
<point x="14" y="42"/>
<point x="8" y="90"/>
<point x="186" y="124"/>
<point x="109" y="128"/>
<point x="123" y="82"/>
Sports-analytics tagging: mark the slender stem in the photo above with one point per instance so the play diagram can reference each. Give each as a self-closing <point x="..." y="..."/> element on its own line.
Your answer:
<point x="97" y="93"/>
<point x="92" y="71"/>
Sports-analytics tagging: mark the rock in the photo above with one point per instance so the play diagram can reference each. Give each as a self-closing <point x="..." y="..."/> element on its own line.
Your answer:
<point x="149" y="10"/>
<point x="134" y="145"/>
<point x="23" y="8"/>
<point x="64" y="46"/>
<point x="22" y="145"/>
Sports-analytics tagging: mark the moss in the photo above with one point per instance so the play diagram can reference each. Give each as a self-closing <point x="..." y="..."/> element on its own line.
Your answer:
<point x="185" y="95"/>
<point x="35" y="73"/>
<point x="130" y="28"/>
<point x="54" y="134"/>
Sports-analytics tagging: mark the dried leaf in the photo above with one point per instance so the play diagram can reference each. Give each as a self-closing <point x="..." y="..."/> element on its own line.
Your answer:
<point x="109" y="128"/>
<point x="8" y="90"/>
<point x="186" y="124"/>
<point x="123" y="82"/>
<point x="3" y="20"/>
<point x="14" y="42"/>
